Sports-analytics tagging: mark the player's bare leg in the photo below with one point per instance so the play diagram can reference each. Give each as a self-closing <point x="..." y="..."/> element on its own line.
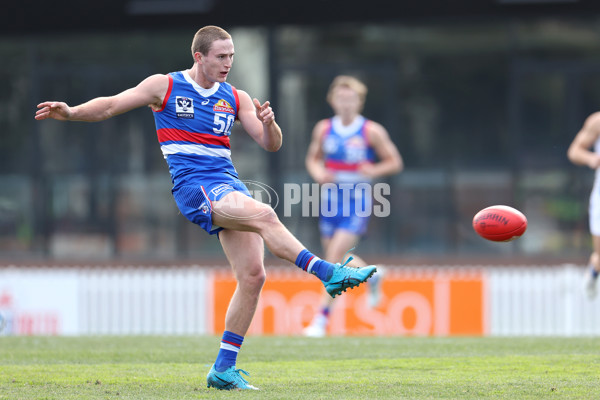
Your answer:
<point x="591" y="276"/>
<point x="247" y="223"/>
<point x="237" y="211"/>
<point x="245" y="253"/>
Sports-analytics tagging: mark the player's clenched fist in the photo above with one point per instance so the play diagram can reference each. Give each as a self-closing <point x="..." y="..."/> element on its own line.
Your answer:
<point x="53" y="109"/>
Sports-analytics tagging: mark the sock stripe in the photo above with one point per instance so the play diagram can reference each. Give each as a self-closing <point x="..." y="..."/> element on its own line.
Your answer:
<point x="311" y="263"/>
<point x="227" y="346"/>
<point x="238" y="345"/>
<point x="228" y="351"/>
<point x="308" y="264"/>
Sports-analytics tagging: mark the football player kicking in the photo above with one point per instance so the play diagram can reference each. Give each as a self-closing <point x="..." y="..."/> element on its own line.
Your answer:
<point x="194" y="111"/>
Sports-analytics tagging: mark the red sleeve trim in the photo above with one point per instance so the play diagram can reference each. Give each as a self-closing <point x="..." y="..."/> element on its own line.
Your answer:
<point x="164" y="102"/>
<point x="327" y="130"/>
<point x="237" y="100"/>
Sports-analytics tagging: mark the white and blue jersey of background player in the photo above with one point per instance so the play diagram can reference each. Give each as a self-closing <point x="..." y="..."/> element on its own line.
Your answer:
<point x="345" y="148"/>
<point x="193" y="129"/>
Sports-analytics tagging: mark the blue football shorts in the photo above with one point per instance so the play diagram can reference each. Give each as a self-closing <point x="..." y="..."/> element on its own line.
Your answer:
<point x="195" y="202"/>
<point x="346" y="208"/>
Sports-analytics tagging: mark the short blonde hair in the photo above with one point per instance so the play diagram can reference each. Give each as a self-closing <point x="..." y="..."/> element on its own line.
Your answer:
<point x="349" y="82"/>
<point x="204" y="38"/>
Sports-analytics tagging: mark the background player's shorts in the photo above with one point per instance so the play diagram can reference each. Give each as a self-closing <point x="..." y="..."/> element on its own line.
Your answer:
<point x="195" y="202"/>
<point x="594" y="211"/>
<point x="347" y="209"/>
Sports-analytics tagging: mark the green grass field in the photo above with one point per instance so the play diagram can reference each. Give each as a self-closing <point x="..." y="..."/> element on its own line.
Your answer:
<point x="300" y="368"/>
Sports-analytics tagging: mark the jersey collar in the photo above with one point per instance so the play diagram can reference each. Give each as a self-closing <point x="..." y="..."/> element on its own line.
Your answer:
<point x="203" y="92"/>
<point x="347" y="130"/>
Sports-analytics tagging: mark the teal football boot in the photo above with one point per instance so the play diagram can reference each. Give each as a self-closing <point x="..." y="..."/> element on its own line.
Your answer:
<point x="230" y="379"/>
<point x="344" y="277"/>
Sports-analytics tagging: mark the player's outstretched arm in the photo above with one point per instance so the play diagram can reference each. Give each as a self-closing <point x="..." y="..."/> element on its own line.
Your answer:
<point x="149" y="92"/>
<point x="579" y="151"/>
<point x="259" y="121"/>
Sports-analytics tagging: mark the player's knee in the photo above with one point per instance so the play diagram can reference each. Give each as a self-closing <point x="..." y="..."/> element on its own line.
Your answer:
<point x="255" y="278"/>
<point x="267" y="219"/>
<point x="258" y="279"/>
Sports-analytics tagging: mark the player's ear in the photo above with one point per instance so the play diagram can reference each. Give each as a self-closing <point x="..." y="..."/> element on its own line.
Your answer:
<point x="198" y="57"/>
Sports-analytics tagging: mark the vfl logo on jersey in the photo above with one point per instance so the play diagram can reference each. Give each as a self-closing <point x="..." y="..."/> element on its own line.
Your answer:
<point x="331" y="144"/>
<point x="184" y="107"/>
<point x="223" y="106"/>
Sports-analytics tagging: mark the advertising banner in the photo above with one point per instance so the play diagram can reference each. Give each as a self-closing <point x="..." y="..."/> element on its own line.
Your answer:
<point x="39" y="302"/>
<point x="431" y="302"/>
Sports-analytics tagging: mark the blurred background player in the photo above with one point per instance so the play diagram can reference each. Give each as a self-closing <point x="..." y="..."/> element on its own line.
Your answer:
<point x="346" y="150"/>
<point x="194" y="110"/>
<point x="585" y="150"/>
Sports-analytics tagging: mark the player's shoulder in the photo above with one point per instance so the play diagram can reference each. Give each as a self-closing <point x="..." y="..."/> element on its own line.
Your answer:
<point x="240" y="92"/>
<point x="160" y="77"/>
<point x="593" y="119"/>
<point x="591" y="126"/>
<point x="156" y="81"/>
<point x="245" y="101"/>
<point x="323" y="123"/>
<point x="374" y="125"/>
<point x="375" y="130"/>
<point x="154" y="87"/>
<point x="321" y="127"/>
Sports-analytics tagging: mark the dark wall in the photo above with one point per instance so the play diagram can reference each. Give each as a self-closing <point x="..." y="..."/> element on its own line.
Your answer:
<point x="43" y="16"/>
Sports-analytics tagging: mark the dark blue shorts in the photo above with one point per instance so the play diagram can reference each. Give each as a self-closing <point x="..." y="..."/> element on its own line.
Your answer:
<point x="348" y="209"/>
<point x="195" y="202"/>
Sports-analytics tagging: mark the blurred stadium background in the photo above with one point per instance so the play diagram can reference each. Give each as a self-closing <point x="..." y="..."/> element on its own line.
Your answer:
<point x="481" y="97"/>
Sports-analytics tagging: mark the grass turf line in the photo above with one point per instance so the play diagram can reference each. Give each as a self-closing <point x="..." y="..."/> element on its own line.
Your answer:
<point x="299" y="368"/>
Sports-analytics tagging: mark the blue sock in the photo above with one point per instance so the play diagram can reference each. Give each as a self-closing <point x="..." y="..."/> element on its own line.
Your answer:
<point x="230" y="346"/>
<point x="314" y="265"/>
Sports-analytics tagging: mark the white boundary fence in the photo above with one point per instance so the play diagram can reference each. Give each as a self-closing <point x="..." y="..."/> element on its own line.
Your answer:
<point x="165" y="301"/>
<point x="540" y="301"/>
<point x="531" y="301"/>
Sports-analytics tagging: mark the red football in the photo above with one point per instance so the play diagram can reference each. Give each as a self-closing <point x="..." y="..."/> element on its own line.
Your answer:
<point x="499" y="223"/>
